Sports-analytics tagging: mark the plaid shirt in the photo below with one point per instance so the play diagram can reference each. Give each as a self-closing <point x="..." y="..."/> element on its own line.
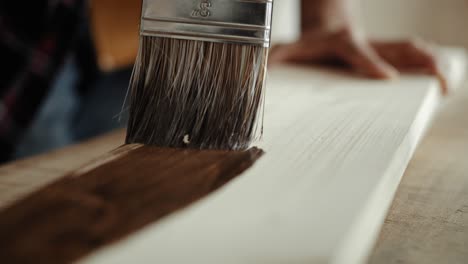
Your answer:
<point x="35" y="37"/>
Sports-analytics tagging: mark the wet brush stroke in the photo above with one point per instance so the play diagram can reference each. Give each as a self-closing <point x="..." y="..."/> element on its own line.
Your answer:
<point x="98" y="205"/>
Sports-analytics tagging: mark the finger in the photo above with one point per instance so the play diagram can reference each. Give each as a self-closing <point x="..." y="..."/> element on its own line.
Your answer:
<point x="365" y="60"/>
<point x="414" y="56"/>
<point x="300" y="52"/>
<point x="405" y="55"/>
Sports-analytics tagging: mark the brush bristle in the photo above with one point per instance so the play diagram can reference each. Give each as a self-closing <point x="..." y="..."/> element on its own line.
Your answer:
<point x="186" y="93"/>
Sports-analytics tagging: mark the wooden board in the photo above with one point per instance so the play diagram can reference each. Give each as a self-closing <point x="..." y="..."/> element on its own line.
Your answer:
<point x="428" y="221"/>
<point x="21" y="178"/>
<point x="111" y="198"/>
<point x="286" y="207"/>
<point x="336" y="148"/>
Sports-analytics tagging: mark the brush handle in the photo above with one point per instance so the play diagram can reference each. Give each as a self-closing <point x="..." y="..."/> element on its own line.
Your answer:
<point x="226" y="21"/>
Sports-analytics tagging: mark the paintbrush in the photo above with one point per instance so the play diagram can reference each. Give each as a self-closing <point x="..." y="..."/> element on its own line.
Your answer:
<point x="199" y="76"/>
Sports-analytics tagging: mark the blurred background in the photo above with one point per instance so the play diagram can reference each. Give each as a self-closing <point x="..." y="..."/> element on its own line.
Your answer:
<point x="88" y="85"/>
<point x="444" y="22"/>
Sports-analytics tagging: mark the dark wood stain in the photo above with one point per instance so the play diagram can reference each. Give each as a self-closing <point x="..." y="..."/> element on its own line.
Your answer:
<point x="78" y="214"/>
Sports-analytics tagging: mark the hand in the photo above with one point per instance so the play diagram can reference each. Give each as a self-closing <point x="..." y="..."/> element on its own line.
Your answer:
<point x="412" y="56"/>
<point x="341" y="41"/>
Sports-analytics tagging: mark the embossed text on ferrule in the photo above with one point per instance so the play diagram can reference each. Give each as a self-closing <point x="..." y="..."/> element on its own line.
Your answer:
<point x="222" y="21"/>
<point x="203" y="9"/>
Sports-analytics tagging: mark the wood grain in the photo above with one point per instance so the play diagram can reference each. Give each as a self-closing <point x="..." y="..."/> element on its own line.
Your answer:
<point x="336" y="150"/>
<point x="23" y="177"/>
<point x="428" y="221"/>
<point x="110" y="198"/>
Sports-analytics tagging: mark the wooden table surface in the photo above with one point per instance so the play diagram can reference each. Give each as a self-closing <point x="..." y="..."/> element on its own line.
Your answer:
<point x="427" y="223"/>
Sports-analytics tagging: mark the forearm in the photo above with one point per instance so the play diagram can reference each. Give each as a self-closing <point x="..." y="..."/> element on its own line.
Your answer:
<point x="325" y="14"/>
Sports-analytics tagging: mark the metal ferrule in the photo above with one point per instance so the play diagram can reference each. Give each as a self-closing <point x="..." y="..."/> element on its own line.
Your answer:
<point x="226" y="21"/>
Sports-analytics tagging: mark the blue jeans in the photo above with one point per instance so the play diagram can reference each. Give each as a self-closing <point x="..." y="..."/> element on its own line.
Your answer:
<point x="68" y="116"/>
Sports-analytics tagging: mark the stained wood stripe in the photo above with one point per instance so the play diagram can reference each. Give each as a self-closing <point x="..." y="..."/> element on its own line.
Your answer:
<point x="99" y="205"/>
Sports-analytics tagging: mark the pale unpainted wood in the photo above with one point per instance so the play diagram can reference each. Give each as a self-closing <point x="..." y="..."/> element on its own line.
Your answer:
<point x="336" y="148"/>
<point x="23" y="177"/>
<point x="106" y="200"/>
<point x="428" y="221"/>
